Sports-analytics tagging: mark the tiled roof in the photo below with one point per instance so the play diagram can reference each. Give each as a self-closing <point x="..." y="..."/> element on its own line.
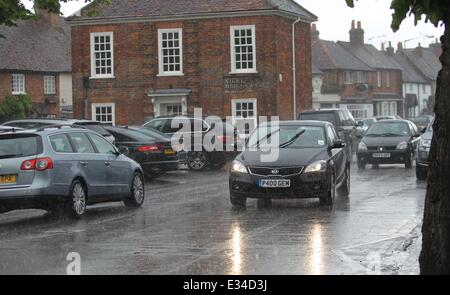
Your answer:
<point x="373" y="57"/>
<point x="328" y="55"/>
<point x="410" y="73"/>
<point x="35" y="45"/>
<point x="427" y="62"/>
<point x="161" y="8"/>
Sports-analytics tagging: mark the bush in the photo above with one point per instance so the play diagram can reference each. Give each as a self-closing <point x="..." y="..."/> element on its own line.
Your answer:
<point x="15" y="107"/>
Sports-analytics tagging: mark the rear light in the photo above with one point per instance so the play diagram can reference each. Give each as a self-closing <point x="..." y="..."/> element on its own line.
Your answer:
<point x="39" y="164"/>
<point x="224" y="139"/>
<point x="149" y="148"/>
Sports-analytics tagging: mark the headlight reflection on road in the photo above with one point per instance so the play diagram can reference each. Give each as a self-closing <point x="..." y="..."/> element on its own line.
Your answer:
<point x="236" y="248"/>
<point x="316" y="250"/>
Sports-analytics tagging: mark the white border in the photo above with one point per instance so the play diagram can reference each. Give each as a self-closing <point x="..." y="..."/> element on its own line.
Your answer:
<point x="233" y="54"/>
<point x="110" y="104"/>
<point x="160" y="56"/>
<point x="93" y="74"/>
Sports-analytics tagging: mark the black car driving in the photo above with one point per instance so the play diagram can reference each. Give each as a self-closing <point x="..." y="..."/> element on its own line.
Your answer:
<point x="151" y="149"/>
<point x="388" y="142"/>
<point x="309" y="161"/>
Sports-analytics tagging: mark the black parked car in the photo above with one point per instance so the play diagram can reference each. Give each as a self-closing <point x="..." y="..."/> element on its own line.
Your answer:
<point x="39" y="123"/>
<point x="312" y="163"/>
<point x="151" y="149"/>
<point x="388" y="142"/>
<point x="423" y="151"/>
<point x="197" y="157"/>
<point x="342" y="120"/>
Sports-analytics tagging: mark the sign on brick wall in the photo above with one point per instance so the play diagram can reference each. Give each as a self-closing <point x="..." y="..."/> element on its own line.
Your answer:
<point x="241" y="83"/>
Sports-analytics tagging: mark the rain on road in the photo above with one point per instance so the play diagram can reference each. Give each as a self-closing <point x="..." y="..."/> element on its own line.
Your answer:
<point x="187" y="226"/>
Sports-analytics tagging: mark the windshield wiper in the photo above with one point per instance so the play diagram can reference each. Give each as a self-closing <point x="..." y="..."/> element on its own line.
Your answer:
<point x="10" y="156"/>
<point x="265" y="138"/>
<point x="292" y="140"/>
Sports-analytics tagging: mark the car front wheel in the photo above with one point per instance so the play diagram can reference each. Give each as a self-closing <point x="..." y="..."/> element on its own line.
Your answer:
<point x="421" y="172"/>
<point x="197" y="161"/>
<point x="137" y="192"/>
<point x="76" y="206"/>
<point x="329" y="198"/>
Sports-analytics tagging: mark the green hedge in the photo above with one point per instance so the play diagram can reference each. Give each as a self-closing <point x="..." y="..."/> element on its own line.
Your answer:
<point x="15" y="107"/>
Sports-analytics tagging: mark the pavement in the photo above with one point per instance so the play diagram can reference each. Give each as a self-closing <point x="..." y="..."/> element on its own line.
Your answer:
<point x="187" y="226"/>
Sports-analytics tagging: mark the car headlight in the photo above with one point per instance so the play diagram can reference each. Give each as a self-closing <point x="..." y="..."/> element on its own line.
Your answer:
<point x="426" y="143"/>
<point x="238" y="167"/>
<point x="319" y="166"/>
<point x="402" y="145"/>
<point x="362" y="147"/>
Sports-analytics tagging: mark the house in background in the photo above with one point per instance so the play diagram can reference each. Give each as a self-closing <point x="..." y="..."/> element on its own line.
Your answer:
<point x="384" y="82"/>
<point x="420" y="91"/>
<point x="234" y="58"/>
<point x="35" y="59"/>
<point x="417" y="88"/>
<point x="340" y="80"/>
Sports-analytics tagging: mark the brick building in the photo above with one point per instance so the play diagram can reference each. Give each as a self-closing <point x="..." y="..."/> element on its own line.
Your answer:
<point x="35" y="60"/>
<point x="363" y="79"/>
<point x="140" y="59"/>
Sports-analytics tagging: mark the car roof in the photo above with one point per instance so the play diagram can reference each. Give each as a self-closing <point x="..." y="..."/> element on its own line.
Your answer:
<point x="54" y="120"/>
<point x="330" y="110"/>
<point x="299" y="123"/>
<point x="393" y="121"/>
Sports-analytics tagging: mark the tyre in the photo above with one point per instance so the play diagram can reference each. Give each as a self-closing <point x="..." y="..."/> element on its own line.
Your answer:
<point x="197" y="161"/>
<point x="137" y="192"/>
<point x="329" y="198"/>
<point x="361" y="165"/>
<point x="408" y="162"/>
<point x="76" y="205"/>
<point x="345" y="188"/>
<point x="421" y="172"/>
<point x="237" y="201"/>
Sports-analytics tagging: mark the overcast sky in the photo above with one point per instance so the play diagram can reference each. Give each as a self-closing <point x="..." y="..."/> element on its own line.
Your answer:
<point x="335" y="19"/>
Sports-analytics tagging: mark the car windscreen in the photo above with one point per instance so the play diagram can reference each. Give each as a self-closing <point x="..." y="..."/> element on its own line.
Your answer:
<point x="422" y="120"/>
<point x="152" y="133"/>
<point x="19" y="145"/>
<point x="130" y="135"/>
<point x="292" y="136"/>
<point x="96" y="128"/>
<point x="327" y="117"/>
<point x="389" y="129"/>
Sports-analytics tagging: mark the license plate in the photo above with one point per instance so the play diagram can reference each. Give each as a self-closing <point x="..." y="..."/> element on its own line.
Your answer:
<point x="8" y="179"/>
<point x="381" y="155"/>
<point x="274" y="183"/>
<point x="169" y="152"/>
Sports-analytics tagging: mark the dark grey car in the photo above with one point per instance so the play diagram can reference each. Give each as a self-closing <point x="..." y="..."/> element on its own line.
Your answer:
<point x="65" y="167"/>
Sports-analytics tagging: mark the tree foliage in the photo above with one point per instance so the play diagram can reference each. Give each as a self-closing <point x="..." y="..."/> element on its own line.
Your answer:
<point x="14" y="10"/>
<point x="433" y="11"/>
<point x="15" y="107"/>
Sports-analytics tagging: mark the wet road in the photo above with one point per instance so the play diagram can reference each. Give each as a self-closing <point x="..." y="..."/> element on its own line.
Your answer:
<point x="187" y="226"/>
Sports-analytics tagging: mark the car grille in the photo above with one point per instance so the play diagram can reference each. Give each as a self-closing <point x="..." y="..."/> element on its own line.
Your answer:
<point x="385" y="148"/>
<point x="274" y="171"/>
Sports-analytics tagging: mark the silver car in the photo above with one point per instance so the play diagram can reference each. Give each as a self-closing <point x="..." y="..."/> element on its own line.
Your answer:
<point x="65" y="168"/>
<point x="39" y="123"/>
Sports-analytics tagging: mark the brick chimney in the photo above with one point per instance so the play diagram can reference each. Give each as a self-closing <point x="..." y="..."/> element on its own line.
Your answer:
<point x="54" y="19"/>
<point x="399" y="46"/>
<point x="315" y="34"/>
<point x="356" y="34"/>
<point x="390" y="50"/>
<point x="419" y="50"/>
<point x="436" y="47"/>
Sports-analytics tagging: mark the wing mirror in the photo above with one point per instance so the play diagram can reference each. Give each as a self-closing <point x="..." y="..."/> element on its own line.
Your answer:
<point x="123" y="150"/>
<point x="338" y="144"/>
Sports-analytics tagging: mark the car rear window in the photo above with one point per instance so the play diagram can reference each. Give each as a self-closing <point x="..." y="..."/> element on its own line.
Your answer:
<point x="19" y="145"/>
<point x="132" y="135"/>
<point x="327" y="117"/>
<point x="96" y="128"/>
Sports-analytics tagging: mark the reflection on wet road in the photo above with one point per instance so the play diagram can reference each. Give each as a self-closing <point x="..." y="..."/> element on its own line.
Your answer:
<point x="187" y="226"/>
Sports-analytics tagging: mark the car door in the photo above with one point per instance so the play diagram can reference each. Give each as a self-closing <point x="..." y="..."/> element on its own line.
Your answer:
<point x="90" y="163"/>
<point x="118" y="168"/>
<point x="337" y="155"/>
